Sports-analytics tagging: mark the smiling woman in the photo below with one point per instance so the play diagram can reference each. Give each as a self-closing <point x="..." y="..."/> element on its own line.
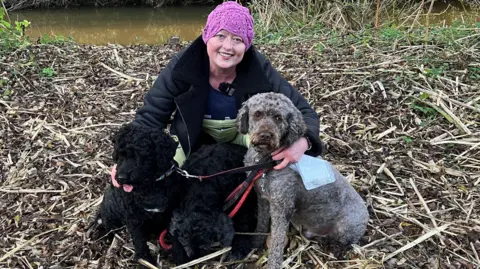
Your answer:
<point x="205" y="85"/>
<point x="225" y="51"/>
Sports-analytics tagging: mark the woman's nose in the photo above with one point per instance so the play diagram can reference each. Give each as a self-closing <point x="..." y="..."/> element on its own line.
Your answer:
<point x="227" y="43"/>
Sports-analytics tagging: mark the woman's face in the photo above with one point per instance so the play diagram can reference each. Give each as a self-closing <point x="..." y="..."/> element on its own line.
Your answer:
<point x="225" y="50"/>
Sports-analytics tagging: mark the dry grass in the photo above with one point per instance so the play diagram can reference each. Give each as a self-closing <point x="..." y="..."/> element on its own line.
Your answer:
<point x="406" y="139"/>
<point x="344" y="16"/>
<point x="339" y="15"/>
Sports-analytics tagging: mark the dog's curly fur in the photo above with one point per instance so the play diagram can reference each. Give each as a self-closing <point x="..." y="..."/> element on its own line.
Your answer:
<point x="334" y="211"/>
<point x="200" y="225"/>
<point x="142" y="155"/>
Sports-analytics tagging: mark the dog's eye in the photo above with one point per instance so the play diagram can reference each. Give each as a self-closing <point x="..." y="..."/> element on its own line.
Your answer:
<point x="257" y="114"/>
<point x="278" y="117"/>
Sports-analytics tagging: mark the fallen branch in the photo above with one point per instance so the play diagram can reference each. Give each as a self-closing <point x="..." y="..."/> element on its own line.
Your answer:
<point x="120" y="73"/>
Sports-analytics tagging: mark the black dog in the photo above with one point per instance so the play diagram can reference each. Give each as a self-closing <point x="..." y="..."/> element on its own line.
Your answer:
<point x="200" y="226"/>
<point x="148" y="188"/>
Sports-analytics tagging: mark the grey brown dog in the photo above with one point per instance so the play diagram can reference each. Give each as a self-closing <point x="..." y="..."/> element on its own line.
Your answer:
<point x="334" y="211"/>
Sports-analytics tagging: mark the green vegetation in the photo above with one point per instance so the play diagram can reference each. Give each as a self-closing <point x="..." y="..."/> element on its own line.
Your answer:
<point x="407" y="139"/>
<point x="48" y="72"/>
<point x="12" y="35"/>
<point x="55" y="40"/>
<point x="428" y="112"/>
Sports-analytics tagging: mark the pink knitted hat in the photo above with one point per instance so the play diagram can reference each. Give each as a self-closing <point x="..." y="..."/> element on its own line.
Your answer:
<point x="232" y="17"/>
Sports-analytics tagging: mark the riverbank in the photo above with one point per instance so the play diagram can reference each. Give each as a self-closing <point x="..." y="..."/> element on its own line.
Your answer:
<point x="399" y="117"/>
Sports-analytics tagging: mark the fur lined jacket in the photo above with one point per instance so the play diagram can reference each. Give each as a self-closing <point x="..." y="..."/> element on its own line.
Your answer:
<point x="182" y="89"/>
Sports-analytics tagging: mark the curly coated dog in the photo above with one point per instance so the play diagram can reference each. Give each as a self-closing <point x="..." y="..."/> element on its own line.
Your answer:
<point x="199" y="225"/>
<point x="147" y="189"/>
<point x="334" y="211"/>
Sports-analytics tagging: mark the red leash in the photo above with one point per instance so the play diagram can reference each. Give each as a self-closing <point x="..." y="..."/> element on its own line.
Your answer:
<point x="162" y="240"/>
<point x="261" y="165"/>
<point x="245" y="194"/>
<point x="230" y="196"/>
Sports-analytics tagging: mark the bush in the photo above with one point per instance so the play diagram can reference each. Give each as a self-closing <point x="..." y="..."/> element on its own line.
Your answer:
<point x="12" y="36"/>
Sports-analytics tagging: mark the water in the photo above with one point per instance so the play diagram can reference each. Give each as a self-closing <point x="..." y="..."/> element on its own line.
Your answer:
<point x="446" y="13"/>
<point x="123" y="25"/>
<point x="143" y="25"/>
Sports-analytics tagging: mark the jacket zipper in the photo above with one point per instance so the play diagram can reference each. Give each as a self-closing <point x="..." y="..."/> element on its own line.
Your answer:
<point x="186" y="127"/>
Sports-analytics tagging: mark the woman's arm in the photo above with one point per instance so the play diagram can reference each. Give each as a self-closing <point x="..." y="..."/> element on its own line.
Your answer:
<point x="158" y="103"/>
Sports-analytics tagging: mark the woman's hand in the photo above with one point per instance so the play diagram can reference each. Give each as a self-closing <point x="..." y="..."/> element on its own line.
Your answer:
<point x="291" y="154"/>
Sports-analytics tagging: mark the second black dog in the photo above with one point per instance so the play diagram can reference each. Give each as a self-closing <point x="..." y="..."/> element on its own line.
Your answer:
<point x="199" y="225"/>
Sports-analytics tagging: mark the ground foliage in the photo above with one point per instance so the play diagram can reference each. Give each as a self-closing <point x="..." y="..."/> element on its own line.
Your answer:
<point x="399" y="117"/>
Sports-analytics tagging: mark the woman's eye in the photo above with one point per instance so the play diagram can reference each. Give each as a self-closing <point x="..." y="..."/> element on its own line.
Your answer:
<point x="220" y="36"/>
<point x="237" y="39"/>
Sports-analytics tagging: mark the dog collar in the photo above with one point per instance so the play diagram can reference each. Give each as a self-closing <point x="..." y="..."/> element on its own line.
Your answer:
<point x="168" y="173"/>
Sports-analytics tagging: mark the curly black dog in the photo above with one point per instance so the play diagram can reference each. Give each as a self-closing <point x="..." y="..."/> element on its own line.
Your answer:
<point x="146" y="192"/>
<point x="200" y="226"/>
<point x="147" y="189"/>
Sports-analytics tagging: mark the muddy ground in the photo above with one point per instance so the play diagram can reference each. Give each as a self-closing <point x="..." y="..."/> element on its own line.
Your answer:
<point x="402" y="125"/>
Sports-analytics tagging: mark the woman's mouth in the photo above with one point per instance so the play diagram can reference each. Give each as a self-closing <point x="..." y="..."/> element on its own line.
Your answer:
<point x="225" y="56"/>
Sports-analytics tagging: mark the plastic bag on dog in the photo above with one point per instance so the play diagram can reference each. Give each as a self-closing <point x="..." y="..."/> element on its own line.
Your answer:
<point x="315" y="172"/>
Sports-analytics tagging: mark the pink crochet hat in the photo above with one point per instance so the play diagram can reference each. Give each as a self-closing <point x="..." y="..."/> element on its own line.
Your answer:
<point x="232" y="17"/>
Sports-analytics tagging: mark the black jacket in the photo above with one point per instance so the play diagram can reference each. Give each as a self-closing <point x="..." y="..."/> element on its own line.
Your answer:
<point x="183" y="86"/>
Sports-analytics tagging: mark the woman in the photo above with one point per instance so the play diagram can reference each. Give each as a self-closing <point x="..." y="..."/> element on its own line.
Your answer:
<point x="204" y="85"/>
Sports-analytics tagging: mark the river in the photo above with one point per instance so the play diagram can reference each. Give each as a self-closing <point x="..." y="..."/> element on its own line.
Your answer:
<point x="122" y="25"/>
<point x="142" y="25"/>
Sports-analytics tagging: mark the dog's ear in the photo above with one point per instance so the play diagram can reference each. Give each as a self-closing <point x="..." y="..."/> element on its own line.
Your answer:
<point x="165" y="146"/>
<point x="296" y="128"/>
<point x="119" y="138"/>
<point x="242" y="119"/>
<point x="225" y="230"/>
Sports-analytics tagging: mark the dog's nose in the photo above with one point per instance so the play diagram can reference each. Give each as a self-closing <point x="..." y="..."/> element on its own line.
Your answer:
<point x="122" y="177"/>
<point x="265" y="136"/>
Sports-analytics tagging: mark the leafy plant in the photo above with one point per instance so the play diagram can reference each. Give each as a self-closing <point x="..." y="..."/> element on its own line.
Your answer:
<point x="424" y="109"/>
<point x="48" y="72"/>
<point x="6" y="93"/>
<point x="390" y="34"/>
<point x="407" y="139"/>
<point x="12" y="36"/>
<point x="436" y="71"/>
<point x="474" y="72"/>
<point x="55" y="40"/>
<point x="320" y="47"/>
